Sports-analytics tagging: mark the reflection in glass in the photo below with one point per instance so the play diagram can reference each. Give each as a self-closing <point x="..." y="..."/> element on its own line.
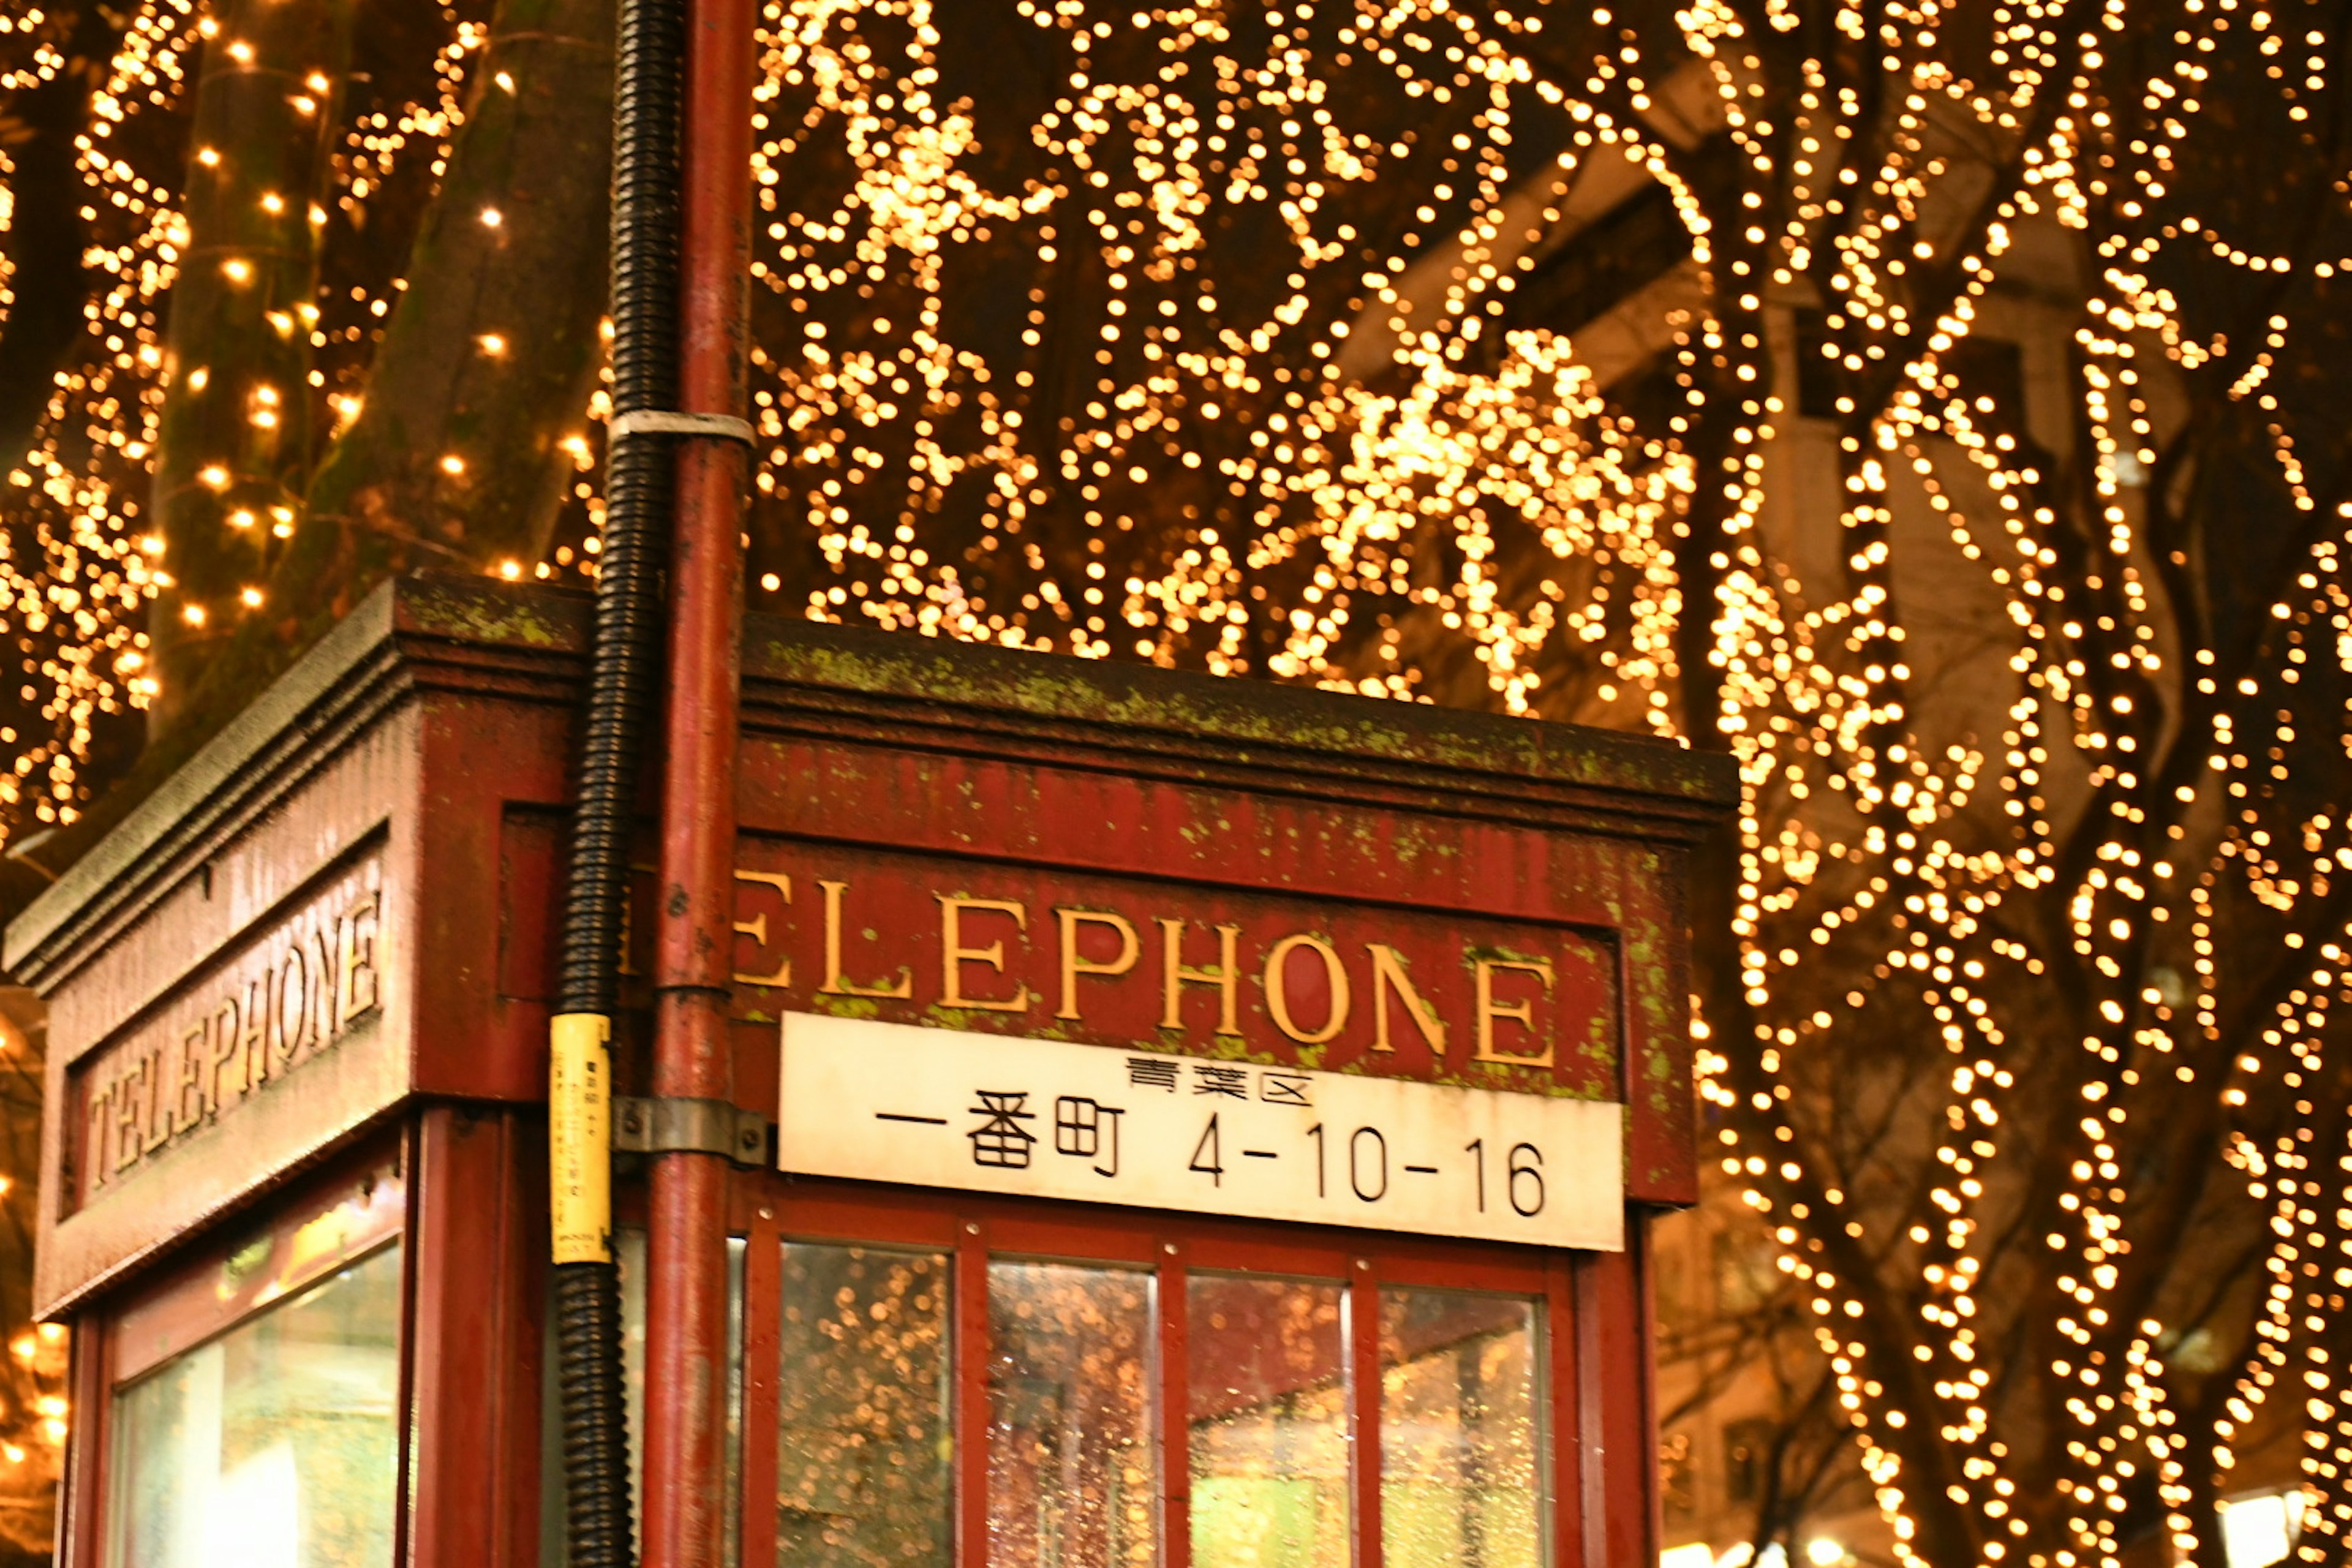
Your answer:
<point x="629" y="1253"/>
<point x="275" y="1446"/>
<point x="863" y="1450"/>
<point x="1070" y="1471"/>
<point x="1268" y="1418"/>
<point x="1462" y="1431"/>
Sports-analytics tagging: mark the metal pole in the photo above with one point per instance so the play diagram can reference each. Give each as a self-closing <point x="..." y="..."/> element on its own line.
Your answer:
<point x="686" y="1348"/>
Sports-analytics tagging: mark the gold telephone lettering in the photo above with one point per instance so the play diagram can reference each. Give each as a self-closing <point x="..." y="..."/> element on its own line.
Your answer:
<point x="756" y="928"/>
<point x="1225" y="976"/>
<point x="834" y="985"/>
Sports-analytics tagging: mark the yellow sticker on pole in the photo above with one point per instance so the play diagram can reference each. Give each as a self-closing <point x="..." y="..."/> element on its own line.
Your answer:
<point x="579" y="1136"/>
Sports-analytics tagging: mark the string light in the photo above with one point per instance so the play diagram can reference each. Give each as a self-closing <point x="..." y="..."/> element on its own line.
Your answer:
<point x="8" y="222"/>
<point x="83" y="560"/>
<point x="1217" y="354"/>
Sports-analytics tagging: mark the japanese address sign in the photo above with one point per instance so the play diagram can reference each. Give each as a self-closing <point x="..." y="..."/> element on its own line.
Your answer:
<point x="882" y="1101"/>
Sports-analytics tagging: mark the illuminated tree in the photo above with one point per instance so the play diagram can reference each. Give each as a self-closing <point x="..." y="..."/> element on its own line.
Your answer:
<point x="334" y="252"/>
<point x="33" y="1369"/>
<point x="1644" y="369"/>
<point x="329" y="249"/>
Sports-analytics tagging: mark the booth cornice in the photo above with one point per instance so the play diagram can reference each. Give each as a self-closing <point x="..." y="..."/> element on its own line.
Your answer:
<point x="527" y="642"/>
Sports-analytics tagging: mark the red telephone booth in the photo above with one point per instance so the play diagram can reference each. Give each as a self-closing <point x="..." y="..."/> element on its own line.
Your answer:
<point x="1174" y="1122"/>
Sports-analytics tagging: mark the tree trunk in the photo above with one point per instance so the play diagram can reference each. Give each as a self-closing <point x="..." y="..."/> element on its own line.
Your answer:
<point x="457" y="456"/>
<point x="234" y="448"/>
<point x="383" y="502"/>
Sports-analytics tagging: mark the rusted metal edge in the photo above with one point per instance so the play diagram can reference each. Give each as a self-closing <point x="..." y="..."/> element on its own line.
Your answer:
<point x="206" y="787"/>
<point x="427" y="630"/>
<point x="1251" y="720"/>
<point x="1251" y="716"/>
<point x="794" y="664"/>
<point x="1203" y="759"/>
<point x="1135" y="708"/>
<point x="512" y="634"/>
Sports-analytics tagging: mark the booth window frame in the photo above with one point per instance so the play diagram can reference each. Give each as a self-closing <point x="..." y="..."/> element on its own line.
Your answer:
<point x="184" y="1308"/>
<point x="470" y="1217"/>
<point x="772" y="1211"/>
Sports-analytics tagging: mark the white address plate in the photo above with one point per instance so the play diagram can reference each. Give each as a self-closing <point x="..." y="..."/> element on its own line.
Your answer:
<point x="941" y="1108"/>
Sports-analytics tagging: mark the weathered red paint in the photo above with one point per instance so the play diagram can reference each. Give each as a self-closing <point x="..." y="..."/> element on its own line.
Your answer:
<point x="1175" y="1419"/>
<point x="1364" y="1416"/>
<point x="476" y="1209"/>
<point x="762" y="1371"/>
<point x="1566" y="1370"/>
<point x="431" y="743"/>
<point x="686" y="1349"/>
<point x="82" y="1491"/>
<point x="971" y="1243"/>
<point x="1621" y="1447"/>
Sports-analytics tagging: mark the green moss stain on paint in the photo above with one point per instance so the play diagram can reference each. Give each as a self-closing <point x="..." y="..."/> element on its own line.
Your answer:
<point x="1244" y="712"/>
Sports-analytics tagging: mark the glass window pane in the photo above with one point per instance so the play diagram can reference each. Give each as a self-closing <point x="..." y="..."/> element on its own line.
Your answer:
<point x="629" y="1255"/>
<point x="275" y="1446"/>
<point x="629" y="1250"/>
<point x="1462" y="1431"/>
<point x="731" y="1543"/>
<point x="863" y="1449"/>
<point x="1070" y="1451"/>
<point x="1268" y="1421"/>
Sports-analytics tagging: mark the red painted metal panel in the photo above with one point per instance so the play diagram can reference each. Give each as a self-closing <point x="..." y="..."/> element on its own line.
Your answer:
<point x="973" y="1410"/>
<point x="1345" y="840"/>
<point x="477" y="757"/>
<point x="763" y="1307"/>
<point x="1288" y="1250"/>
<point x="1651" y="1494"/>
<point x="1517" y="1271"/>
<point x="1364" y="1409"/>
<point x="1041" y="1232"/>
<point x="82" y="1499"/>
<point x="1593" y="1391"/>
<point x="405" y="1528"/>
<point x="831" y="1214"/>
<point x="1620" y="1440"/>
<point x="1173" y="1384"/>
<point x="1562" y="1371"/>
<point x="822" y="1208"/>
<point x="473" y="1410"/>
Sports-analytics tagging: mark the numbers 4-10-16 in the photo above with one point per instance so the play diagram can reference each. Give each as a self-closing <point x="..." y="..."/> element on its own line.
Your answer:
<point x="1366" y="1153"/>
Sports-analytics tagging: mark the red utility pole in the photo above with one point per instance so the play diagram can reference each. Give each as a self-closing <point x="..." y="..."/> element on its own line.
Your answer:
<point x="686" y="1349"/>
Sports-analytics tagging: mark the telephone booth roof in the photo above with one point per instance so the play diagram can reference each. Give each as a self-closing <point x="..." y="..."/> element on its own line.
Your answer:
<point x="345" y="902"/>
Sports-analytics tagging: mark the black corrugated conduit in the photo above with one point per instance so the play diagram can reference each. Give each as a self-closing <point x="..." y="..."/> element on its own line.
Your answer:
<point x="624" y="664"/>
